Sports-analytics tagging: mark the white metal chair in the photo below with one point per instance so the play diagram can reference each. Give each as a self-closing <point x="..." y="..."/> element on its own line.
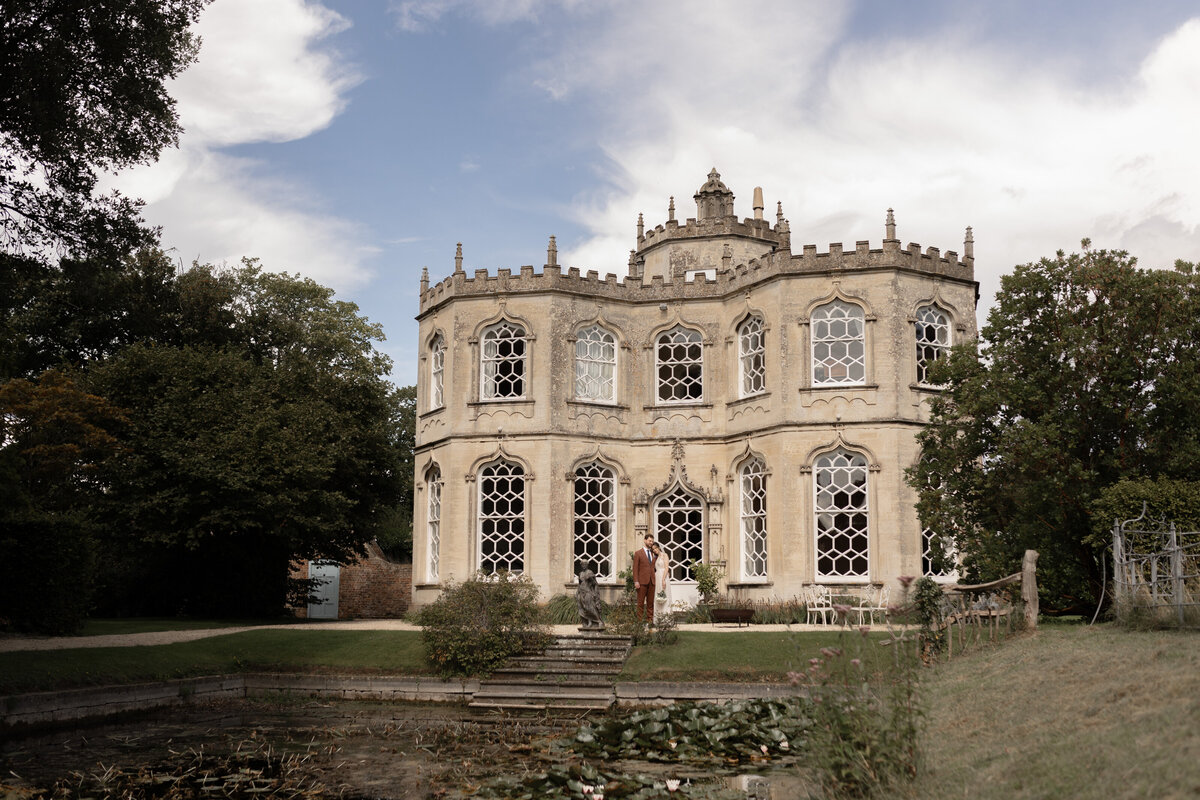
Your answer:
<point x="876" y="602"/>
<point x="818" y="601"/>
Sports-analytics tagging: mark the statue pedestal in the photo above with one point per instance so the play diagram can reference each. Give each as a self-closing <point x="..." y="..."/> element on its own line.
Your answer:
<point x="599" y="629"/>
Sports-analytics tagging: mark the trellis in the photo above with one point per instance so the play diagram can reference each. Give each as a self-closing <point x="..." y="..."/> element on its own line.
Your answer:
<point x="1156" y="572"/>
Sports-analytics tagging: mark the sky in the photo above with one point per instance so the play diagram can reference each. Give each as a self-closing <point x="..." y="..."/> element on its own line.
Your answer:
<point x="357" y="141"/>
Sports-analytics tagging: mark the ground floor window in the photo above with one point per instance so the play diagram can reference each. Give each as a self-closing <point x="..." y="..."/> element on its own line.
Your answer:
<point x="595" y="519"/>
<point x="501" y="518"/>
<point x="433" y="481"/>
<point x="841" y="515"/>
<point x="754" y="518"/>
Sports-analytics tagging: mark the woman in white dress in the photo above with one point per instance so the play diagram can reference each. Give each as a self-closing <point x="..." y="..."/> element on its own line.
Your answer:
<point x="662" y="583"/>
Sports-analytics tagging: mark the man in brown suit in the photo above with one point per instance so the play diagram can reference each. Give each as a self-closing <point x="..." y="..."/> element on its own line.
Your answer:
<point x="643" y="579"/>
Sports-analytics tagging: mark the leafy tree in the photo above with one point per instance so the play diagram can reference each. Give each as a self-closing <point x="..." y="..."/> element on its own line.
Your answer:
<point x="246" y="454"/>
<point x="83" y="89"/>
<point x="1087" y="372"/>
<point x="394" y="530"/>
<point x="54" y="443"/>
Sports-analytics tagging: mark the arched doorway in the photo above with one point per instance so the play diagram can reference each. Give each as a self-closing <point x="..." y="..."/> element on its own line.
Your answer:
<point x="679" y="529"/>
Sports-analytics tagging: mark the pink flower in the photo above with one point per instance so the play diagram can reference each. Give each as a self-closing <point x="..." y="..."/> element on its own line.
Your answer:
<point x="842" y="609"/>
<point x="831" y="652"/>
<point x="856" y="662"/>
<point x="794" y="677"/>
<point x="816" y="662"/>
<point x="906" y="580"/>
<point x="587" y="789"/>
<point x="672" y="784"/>
<point x="865" y="630"/>
<point x="764" y="749"/>
<point x="784" y="745"/>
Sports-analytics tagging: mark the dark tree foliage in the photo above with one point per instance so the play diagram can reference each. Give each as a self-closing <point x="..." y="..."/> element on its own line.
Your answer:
<point x="83" y="89"/>
<point x="55" y="440"/>
<point x="1087" y="372"/>
<point x="393" y="530"/>
<point x="272" y="444"/>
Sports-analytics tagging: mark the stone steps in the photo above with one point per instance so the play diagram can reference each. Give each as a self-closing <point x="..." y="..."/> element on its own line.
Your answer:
<point x="575" y="673"/>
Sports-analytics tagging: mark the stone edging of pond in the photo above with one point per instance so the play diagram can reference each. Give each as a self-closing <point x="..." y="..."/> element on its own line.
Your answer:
<point x="40" y="710"/>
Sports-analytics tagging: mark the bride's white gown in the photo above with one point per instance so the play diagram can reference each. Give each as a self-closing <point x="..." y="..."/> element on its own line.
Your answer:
<point x="662" y="585"/>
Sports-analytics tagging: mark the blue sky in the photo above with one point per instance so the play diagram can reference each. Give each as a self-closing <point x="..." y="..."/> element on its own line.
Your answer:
<point x="357" y="141"/>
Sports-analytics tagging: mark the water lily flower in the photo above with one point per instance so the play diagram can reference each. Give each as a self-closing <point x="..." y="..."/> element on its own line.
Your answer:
<point x="587" y="789"/>
<point x="673" y="743"/>
<point x="764" y="749"/>
<point x="784" y="745"/>
<point x="672" y="784"/>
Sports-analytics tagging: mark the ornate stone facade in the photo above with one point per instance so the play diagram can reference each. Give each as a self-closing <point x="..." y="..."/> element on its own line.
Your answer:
<point x="748" y="406"/>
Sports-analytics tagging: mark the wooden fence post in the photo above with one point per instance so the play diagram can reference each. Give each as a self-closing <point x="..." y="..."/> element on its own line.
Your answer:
<point x="1029" y="592"/>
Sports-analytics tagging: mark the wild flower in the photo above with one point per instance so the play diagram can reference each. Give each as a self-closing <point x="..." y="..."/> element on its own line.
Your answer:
<point x="906" y="580"/>
<point x="855" y="662"/>
<point x="865" y="630"/>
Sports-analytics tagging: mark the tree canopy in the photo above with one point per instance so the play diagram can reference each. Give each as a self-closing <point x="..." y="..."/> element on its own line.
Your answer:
<point x="1087" y="373"/>
<point x="83" y="89"/>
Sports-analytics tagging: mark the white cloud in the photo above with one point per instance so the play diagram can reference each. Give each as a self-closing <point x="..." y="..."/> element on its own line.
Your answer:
<point x="946" y="130"/>
<point x="420" y="15"/>
<point x="264" y="74"/>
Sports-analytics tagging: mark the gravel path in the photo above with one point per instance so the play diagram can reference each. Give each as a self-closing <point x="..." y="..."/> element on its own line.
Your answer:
<point x="18" y="643"/>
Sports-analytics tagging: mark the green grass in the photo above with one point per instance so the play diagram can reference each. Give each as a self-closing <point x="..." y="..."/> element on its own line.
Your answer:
<point x="392" y="652"/>
<point x="1071" y="711"/>
<point x="121" y="626"/>
<point x="748" y="656"/>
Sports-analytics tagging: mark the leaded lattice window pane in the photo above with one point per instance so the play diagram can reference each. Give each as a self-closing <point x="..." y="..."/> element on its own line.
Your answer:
<point x="501" y="518"/>
<point x="434" y="521"/>
<point x="754" y="518"/>
<point x="679" y="529"/>
<point x="679" y="359"/>
<point x="502" y="362"/>
<point x="595" y="519"/>
<point x="839" y="344"/>
<point x="752" y="356"/>
<point x="842" y="515"/>
<point x="595" y="365"/>
<point x="938" y="556"/>
<point x="437" y="365"/>
<point x="933" y="339"/>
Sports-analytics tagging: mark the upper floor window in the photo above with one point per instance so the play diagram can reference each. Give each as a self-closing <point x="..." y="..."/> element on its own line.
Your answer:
<point x="595" y="365"/>
<point x="502" y="362"/>
<point x="933" y="339"/>
<point x="751" y="357"/>
<point x="843" y="537"/>
<point x="754" y="518"/>
<point x="838" y="344"/>
<point x="437" y="366"/>
<point x="679" y="363"/>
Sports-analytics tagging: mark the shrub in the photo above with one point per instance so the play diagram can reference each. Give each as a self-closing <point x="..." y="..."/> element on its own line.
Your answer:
<point x="707" y="578"/>
<point x="563" y="610"/>
<point x="477" y="625"/>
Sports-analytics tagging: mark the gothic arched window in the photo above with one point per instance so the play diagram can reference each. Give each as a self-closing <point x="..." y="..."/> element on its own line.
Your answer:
<point x="933" y="339"/>
<point x="841" y="508"/>
<point x="502" y="362"/>
<point x="595" y="365"/>
<point x="595" y="519"/>
<point x="838" y="344"/>
<point x="501" y="518"/>
<point x="433" y="521"/>
<point x="437" y="367"/>
<point x="752" y="357"/>
<point x="679" y="365"/>
<point x="753" y="476"/>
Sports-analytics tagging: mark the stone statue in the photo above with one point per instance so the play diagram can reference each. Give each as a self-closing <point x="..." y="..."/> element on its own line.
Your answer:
<point x="587" y="600"/>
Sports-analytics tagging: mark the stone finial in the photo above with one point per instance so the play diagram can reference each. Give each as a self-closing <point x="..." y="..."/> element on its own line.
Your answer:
<point x="758" y="202"/>
<point x="458" y="258"/>
<point x="424" y="280"/>
<point x="552" y="253"/>
<point x="779" y="212"/>
<point x="969" y="245"/>
<point x="890" y="226"/>
<point x="671" y="210"/>
<point x="641" y="227"/>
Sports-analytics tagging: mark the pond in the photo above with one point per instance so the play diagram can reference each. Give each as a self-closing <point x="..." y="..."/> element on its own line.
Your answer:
<point x="284" y="747"/>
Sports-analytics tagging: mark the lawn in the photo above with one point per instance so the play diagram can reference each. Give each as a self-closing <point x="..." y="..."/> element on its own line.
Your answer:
<point x="1071" y="711"/>
<point x="391" y="652"/>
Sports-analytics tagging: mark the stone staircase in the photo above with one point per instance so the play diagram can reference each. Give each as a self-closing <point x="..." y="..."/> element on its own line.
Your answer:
<point x="573" y="674"/>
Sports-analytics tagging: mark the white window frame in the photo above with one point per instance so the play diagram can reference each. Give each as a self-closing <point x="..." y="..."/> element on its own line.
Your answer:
<point x="488" y="472"/>
<point x="753" y="517"/>
<point x="437" y="372"/>
<point x="825" y="463"/>
<point x="596" y="471"/>
<point x="677" y="337"/>
<point x="433" y="521"/>
<point x="491" y="362"/>
<point x="592" y="366"/>
<point x="752" y="358"/>
<point x="821" y="320"/>
<point x="930" y="317"/>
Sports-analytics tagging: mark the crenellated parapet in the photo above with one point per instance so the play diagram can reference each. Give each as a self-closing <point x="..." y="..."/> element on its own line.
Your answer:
<point x="671" y="230"/>
<point x="736" y="277"/>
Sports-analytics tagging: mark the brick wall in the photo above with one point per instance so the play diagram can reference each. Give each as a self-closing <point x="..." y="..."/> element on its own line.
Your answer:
<point x="374" y="588"/>
<point x="370" y="588"/>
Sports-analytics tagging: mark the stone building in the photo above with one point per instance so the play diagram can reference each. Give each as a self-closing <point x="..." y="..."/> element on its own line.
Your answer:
<point x="749" y="406"/>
